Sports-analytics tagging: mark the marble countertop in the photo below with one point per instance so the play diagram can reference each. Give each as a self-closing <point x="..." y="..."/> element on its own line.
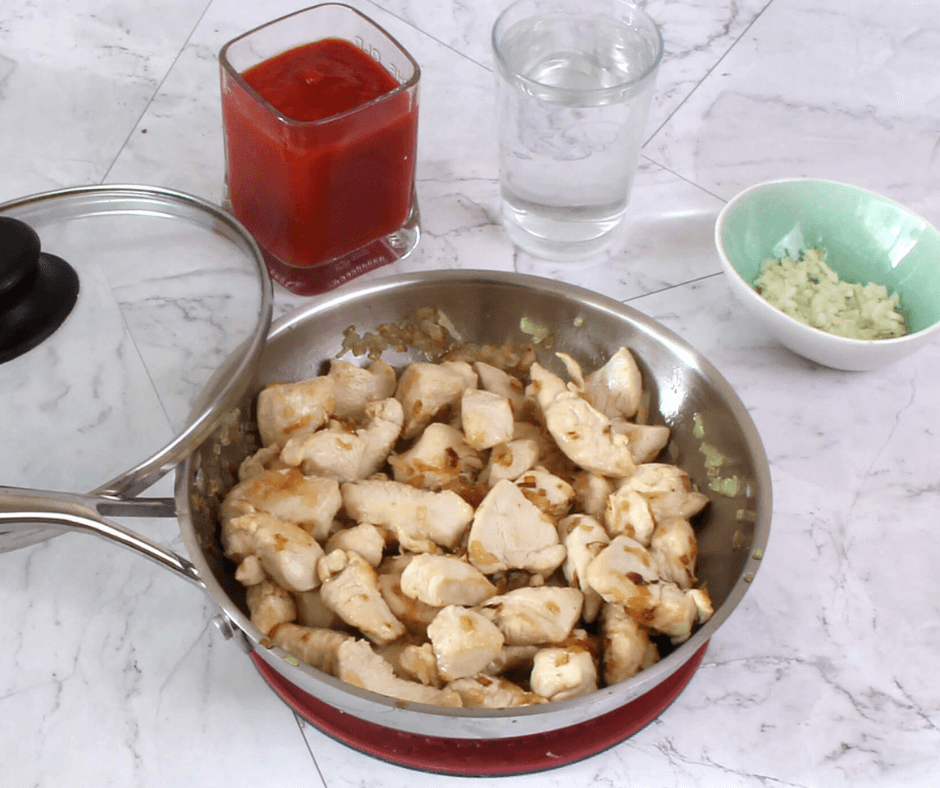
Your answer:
<point x="826" y="673"/>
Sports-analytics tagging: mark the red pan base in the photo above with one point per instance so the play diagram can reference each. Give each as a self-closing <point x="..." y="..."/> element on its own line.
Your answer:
<point x="485" y="757"/>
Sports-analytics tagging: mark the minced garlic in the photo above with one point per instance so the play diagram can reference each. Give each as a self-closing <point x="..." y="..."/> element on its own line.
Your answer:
<point x="810" y="291"/>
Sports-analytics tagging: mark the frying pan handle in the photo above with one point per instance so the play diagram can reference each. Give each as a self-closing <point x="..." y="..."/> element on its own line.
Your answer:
<point x="22" y="510"/>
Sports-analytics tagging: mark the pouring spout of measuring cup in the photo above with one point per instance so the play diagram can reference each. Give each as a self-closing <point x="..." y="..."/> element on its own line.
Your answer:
<point x="31" y="516"/>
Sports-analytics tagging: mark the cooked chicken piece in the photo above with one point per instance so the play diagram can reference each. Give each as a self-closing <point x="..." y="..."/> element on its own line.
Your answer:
<point x="270" y="605"/>
<point x="464" y="642"/>
<point x="419" y="662"/>
<point x="441" y="580"/>
<point x="500" y="382"/>
<point x="561" y="673"/>
<point x="314" y="646"/>
<point x="646" y="440"/>
<point x="703" y="604"/>
<point x="311" y="612"/>
<point x="551" y="494"/>
<point x="439" y="457"/>
<point x="627" y="647"/>
<point x="287" y="552"/>
<point x="250" y="572"/>
<point x="357" y="387"/>
<point x="667" y="489"/>
<point x="675" y="614"/>
<point x="349" y="589"/>
<point x="359" y="665"/>
<point x="583" y="537"/>
<point x="545" y="387"/>
<point x="508" y="461"/>
<point x="685" y="504"/>
<point x="509" y="532"/>
<point x="550" y="457"/>
<point x="267" y="458"/>
<point x="364" y="539"/>
<point x="623" y="573"/>
<point x="628" y="513"/>
<point x="291" y="410"/>
<point x="425" y="390"/>
<point x="486" y="418"/>
<point x="591" y="492"/>
<point x="310" y="502"/>
<point x="512" y="658"/>
<point x="419" y="519"/>
<point x="412" y="661"/>
<point x="490" y="692"/>
<point x="678" y="611"/>
<point x="616" y="389"/>
<point x="414" y="614"/>
<point x="347" y="456"/>
<point x="675" y="549"/>
<point x="581" y="431"/>
<point x="575" y="374"/>
<point x="529" y="616"/>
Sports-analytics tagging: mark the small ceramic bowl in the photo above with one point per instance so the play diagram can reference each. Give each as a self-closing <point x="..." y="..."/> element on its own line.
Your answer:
<point x="866" y="238"/>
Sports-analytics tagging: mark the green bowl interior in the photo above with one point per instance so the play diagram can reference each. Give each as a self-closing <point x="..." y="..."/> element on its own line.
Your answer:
<point x="866" y="237"/>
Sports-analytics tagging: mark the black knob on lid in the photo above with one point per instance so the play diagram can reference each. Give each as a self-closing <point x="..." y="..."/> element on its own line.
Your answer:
<point x="37" y="289"/>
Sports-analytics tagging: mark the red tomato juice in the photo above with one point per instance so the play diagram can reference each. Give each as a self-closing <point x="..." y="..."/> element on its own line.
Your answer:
<point x="316" y="178"/>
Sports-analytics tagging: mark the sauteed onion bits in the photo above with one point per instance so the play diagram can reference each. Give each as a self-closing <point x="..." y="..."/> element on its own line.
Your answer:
<point x="473" y="531"/>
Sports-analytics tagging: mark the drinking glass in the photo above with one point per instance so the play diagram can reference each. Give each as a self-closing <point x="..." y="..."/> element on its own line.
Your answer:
<point x="575" y="79"/>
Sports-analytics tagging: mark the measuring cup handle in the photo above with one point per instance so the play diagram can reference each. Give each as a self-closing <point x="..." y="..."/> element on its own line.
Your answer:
<point x="22" y="510"/>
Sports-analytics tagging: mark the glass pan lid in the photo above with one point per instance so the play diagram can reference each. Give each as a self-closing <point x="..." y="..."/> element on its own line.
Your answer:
<point x="170" y="286"/>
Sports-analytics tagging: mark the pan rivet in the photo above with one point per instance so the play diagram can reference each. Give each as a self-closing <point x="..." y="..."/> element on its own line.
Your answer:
<point x="223" y="626"/>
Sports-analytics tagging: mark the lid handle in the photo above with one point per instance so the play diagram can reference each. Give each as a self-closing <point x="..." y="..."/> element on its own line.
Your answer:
<point x="37" y="291"/>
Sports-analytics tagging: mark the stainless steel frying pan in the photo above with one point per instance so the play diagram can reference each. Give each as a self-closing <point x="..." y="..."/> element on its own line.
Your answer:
<point x="483" y="307"/>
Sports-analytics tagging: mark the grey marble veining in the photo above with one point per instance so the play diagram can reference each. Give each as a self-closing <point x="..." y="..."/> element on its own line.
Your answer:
<point x="846" y="93"/>
<point x="824" y="677"/>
